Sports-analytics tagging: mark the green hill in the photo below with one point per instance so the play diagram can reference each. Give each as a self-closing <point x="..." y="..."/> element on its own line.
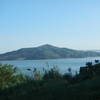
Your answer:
<point x="46" y="52"/>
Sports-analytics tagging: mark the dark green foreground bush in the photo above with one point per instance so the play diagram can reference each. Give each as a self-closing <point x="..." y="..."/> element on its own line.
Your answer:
<point x="52" y="86"/>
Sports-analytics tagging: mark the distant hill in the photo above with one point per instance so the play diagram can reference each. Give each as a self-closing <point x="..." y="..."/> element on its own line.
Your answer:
<point x="46" y="52"/>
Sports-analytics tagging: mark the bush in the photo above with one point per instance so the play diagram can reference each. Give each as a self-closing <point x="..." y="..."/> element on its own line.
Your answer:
<point x="53" y="73"/>
<point x="9" y="76"/>
<point x="52" y="86"/>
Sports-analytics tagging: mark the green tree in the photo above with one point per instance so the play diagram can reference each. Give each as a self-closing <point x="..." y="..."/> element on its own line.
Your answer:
<point x="9" y="76"/>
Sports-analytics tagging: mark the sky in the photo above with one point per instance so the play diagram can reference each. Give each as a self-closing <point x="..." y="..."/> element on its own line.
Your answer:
<point x="65" y="23"/>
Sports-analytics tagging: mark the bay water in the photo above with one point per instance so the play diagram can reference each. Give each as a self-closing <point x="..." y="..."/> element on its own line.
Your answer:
<point x="61" y="64"/>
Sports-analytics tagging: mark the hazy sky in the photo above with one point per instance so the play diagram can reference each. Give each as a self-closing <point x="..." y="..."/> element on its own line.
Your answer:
<point x="65" y="23"/>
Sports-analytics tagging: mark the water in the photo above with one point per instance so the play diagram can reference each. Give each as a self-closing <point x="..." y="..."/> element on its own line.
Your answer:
<point x="62" y="64"/>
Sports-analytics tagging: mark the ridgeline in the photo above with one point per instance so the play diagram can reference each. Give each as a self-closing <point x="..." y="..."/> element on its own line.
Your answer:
<point x="46" y="52"/>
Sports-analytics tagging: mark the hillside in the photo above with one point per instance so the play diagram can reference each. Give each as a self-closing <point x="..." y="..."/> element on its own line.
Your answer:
<point x="46" y="52"/>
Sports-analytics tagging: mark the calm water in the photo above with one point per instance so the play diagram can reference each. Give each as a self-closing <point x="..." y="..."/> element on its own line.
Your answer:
<point x="63" y="64"/>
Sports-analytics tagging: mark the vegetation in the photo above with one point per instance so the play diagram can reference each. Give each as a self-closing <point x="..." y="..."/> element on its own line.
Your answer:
<point x="9" y="76"/>
<point x="46" y="52"/>
<point x="51" y="85"/>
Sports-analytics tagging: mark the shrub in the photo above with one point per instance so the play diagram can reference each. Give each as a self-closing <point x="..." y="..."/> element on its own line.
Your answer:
<point x="9" y="76"/>
<point x="53" y="73"/>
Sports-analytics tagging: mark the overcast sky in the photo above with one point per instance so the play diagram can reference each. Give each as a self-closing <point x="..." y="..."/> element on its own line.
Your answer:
<point x="65" y="23"/>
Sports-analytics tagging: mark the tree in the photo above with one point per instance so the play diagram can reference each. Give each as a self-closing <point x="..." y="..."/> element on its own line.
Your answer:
<point x="9" y="76"/>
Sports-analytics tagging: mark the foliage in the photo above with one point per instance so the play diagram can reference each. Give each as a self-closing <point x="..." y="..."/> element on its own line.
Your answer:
<point x="53" y="73"/>
<point x="9" y="76"/>
<point x="85" y="85"/>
